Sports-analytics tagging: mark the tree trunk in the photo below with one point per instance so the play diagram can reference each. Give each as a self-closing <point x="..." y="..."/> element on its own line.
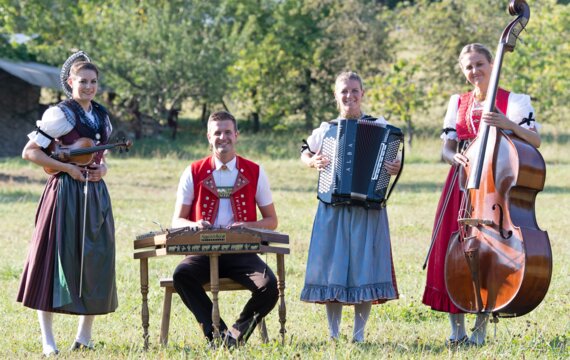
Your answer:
<point x="225" y="106"/>
<point x="255" y="121"/>
<point x="410" y="130"/>
<point x="173" y="121"/>
<point x="307" y="107"/>
<point x="205" y="115"/>
<point x="137" y="123"/>
<point x="255" y="114"/>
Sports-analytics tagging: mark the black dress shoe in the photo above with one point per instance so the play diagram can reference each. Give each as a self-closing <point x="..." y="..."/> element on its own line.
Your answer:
<point x="226" y="340"/>
<point x="77" y="346"/>
<point x="229" y="341"/>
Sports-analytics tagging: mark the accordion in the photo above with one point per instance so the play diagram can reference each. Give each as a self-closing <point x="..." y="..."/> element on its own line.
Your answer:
<point x="357" y="150"/>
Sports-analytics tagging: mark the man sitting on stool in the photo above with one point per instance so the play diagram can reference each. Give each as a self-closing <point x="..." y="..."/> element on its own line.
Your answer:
<point x="223" y="190"/>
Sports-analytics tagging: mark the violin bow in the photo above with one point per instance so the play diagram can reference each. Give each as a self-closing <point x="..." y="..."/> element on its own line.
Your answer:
<point x="85" y="192"/>
<point x="441" y="213"/>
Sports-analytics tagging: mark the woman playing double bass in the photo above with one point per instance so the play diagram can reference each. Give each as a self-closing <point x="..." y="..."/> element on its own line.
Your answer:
<point x="461" y="125"/>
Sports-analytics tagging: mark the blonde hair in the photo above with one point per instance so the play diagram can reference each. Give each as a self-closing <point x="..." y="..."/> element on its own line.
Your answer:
<point x="346" y="76"/>
<point x="477" y="48"/>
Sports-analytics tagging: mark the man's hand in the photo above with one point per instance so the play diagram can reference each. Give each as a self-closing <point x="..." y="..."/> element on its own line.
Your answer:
<point x="203" y="224"/>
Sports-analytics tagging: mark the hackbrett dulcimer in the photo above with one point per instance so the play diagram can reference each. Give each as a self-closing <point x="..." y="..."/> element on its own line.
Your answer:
<point x="187" y="240"/>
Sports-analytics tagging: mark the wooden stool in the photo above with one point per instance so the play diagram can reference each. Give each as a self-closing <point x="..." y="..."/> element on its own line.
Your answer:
<point x="226" y="284"/>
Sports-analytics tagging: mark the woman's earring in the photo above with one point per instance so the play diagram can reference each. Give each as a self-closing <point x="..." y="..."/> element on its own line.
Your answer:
<point x="466" y="81"/>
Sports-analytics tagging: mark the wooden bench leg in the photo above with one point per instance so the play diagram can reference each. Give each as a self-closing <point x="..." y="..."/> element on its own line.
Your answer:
<point x="165" y="324"/>
<point x="166" y="308"/>
<point x="281" y="287"/>
<point x="263" y="331"/>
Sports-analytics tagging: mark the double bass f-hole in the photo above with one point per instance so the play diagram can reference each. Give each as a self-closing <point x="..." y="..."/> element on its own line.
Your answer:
<point x="502" y="231"/>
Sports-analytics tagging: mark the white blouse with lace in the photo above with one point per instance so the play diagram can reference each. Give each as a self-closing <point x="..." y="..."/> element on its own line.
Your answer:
<point x="519" y="108"/>
<point x="55" y="124"/>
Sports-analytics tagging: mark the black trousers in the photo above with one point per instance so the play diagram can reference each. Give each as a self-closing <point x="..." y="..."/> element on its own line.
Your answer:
<point x="247" y="269"/>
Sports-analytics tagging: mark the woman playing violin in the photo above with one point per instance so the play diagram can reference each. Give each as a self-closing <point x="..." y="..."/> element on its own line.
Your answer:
<point x="461" y="124"/>
<point x="70" y="266"/>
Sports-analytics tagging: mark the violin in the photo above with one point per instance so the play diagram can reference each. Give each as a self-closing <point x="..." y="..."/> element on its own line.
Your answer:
<point x="81" y="152"/>
<point x="500" y="261"/>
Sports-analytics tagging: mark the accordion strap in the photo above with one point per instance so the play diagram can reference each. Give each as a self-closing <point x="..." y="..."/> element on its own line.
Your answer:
<point x="384" y="203"/>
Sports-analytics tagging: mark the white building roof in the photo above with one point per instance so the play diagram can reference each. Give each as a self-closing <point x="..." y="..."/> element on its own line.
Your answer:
<point x="33" y="73"/>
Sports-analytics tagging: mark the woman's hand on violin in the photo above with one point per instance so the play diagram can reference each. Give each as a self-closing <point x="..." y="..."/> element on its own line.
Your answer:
<point x="95" y="172"/>
<point x="497" y="119"/>
<point x="76" y="172"/>
<point x="393" y="167"/>
<point x="319" y="162"/>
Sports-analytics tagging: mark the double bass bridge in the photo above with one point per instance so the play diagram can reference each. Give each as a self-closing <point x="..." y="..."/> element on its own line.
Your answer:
<point x="475" y="222"/>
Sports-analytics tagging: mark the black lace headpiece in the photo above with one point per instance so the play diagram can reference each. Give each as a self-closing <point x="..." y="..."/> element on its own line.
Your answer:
<point x="65" y="69"/>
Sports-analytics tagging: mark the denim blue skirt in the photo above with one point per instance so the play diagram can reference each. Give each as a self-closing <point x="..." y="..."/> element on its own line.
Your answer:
<point x="350" y="257"/>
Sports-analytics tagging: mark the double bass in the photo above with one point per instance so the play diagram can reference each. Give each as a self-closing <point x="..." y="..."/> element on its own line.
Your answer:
<point x="500" y="261"/>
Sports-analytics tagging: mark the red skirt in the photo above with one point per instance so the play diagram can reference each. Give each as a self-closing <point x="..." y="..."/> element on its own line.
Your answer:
<point x="435" y="292"/>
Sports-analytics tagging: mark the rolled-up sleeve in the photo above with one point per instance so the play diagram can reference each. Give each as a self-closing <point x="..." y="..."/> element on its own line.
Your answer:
<point x="263" y="195"/>
<point x="448" y="132"/>
<point x="185" y="192"/>
<point x="315" y="140"/>
<point x="520" y="109"/>
<point x="53" y="123"/>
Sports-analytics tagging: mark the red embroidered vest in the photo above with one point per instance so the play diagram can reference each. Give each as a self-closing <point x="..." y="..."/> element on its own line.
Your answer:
<point x="463" y="125"/>
<point x="206" y="200"/>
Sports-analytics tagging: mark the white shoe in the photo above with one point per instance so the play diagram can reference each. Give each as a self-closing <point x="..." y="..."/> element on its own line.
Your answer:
<point x="50" y="353"/>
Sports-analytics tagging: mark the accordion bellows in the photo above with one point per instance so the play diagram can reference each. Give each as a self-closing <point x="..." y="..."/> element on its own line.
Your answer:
<point x="357" y="150"/>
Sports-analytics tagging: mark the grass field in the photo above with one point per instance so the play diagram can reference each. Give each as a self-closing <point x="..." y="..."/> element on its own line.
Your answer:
<point x="142" y="186"/>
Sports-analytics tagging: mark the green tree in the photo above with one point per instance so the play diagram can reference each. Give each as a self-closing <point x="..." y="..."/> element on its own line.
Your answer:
<point x="540" y="65"/>
<point x="435" y="32"/>
<point x="441" y="29"/>
<point x="153" y="54"/>
<point x="400" y="93"/>
<point x="289" y="60"/>
<point x="252" y="73"/>
<point x="168" y="51"/>
<point x="55" y="27"/>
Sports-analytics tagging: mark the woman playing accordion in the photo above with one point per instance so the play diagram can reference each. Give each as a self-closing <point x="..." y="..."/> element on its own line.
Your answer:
<point x="350" y="256"/>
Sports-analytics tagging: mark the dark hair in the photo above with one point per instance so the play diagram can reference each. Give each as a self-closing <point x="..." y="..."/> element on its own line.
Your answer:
<point x="82" y="65"/>
<point x="222" y="116"/>
<point x="477" y="48"/>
